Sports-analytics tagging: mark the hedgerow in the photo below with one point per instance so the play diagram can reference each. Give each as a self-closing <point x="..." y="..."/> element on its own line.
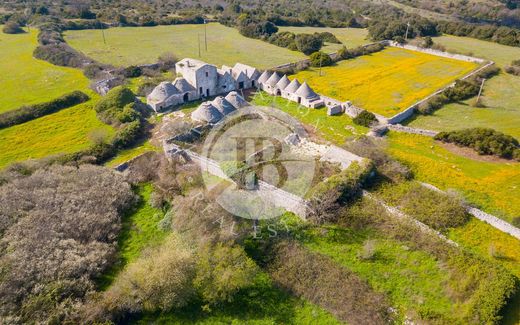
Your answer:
<point x="483" y="140"/>
<point x="27" y="113"/>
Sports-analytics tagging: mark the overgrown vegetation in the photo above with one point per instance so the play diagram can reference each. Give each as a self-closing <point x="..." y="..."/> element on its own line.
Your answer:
<point x="54" y="247"/>
<point x="27" y="113"/>
<point x="513" y="68"/>
<point x="484" y="141"/>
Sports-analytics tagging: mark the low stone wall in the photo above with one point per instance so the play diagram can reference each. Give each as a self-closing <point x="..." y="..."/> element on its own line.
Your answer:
<point x="486" y="217"/>
<point x="455" y="56"/>
<point x="268" y="192"/>
<point x="407" y="129"/>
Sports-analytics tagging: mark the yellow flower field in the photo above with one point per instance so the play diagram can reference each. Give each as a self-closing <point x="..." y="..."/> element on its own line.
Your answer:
<point x="386" y="82"/>
<point x="495" y="187"/>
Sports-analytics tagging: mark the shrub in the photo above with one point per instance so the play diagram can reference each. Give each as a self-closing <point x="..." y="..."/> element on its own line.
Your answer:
<point x="222" y="271"/>
<point x="111" y="108"/>
<point x="160" y="280"/>
<point x="240" y="173"/>
<point x="320" y="59"/>
<point x="514" y="68"/>
<point x="167" y="61"/>
<point x="132" y="72"/>
<point x="93" y="71"/>
<point x="328" y="37"/>
<point x="27" y="113"/>
<point x="484" y="141"/>
<point x="365" y="118"/>
<point x="328" y="195"/>
<point x="127" y="134"/>
<point x="308" y="43"/>
<point x="12" y="27"/>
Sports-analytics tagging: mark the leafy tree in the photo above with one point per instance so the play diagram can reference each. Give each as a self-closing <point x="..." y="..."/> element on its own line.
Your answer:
<point x="308" y="43"/>
<point x="320" y="59"/>
<point x="222" y="271"/>
<point x="365" y="118"/>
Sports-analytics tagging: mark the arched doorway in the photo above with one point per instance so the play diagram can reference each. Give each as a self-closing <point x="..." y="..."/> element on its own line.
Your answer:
<point x="278" y="92"/>
<point x="186" y="97"/>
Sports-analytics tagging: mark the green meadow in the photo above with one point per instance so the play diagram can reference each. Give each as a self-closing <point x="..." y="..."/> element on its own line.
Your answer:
<point x="25" y="80"/>
<point x="501" y="95"/>
<point x="141" y="45"/>
<point x="349" y="37"/>
<point x="63" y="132"/>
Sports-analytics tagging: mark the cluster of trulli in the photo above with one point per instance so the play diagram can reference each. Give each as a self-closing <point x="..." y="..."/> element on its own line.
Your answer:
<point x="272" y="83"/>
<point x="213" y="111"/>
<point x="201" y="80"/>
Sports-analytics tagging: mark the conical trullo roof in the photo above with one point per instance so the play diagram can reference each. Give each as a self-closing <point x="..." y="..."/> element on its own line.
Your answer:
<point x="264" y="77"/>
<point x="273" y="79"/>
<point x="283" y="83"/>
<point x="293" y="86"/>
<point x="305" y="91"/>
<point x="182" y="85"/>
<point x="164" y="90"/>
<point x="206" y="113"/>
<point x="236" y="100"/>
<point x="223" y="106"/>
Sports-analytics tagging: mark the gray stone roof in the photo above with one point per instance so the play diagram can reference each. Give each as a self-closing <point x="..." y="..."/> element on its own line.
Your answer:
<point x="164" y="90"/>
<point x="192" y="63"/>
<point x="273" y="79"/>
<point x="264" y="76"/>
<point x="293" y="86"/>
<point x="249" y="71"/>
<point x="223" y="106"/>
<point x="182" y="85"/>
<point x="206" y="113"/>
<point x="236" y="100"/>
<point x="306" y="92"/>
<point x="283" y="83"/>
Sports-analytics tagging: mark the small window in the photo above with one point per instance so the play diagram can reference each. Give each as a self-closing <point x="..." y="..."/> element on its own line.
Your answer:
<point x="207" y="74"/>
<point x="224" y="87"/>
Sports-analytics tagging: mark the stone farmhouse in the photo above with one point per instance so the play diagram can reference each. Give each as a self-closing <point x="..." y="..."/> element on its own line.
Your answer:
<point x="201" y="80"/>
<point x="293" y="90"/>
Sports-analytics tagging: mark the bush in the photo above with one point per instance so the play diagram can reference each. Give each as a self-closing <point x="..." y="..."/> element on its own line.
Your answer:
<point x="111" y="108"/>
<point x="127" y="134"/>
<point x="27" y="113"/>
<point x="328" y="37"/>
<point x="327" y="196"/>
<point x="514" y="68"/>
<point x="12" y="28"/>
<point x="346" y="54"/>
<point x="320" y="59"/>
<point x="94" y="71"/>
<point x="160" y="280"/>
<point x="484" y="141"/>
<point x="240" y="173"/>
<point x="167" y="61"/>
<point x="222" y="271"/>
<point x="308" y="43"/>
<point x="365" y="118"/>
<point x="132" y="72"/>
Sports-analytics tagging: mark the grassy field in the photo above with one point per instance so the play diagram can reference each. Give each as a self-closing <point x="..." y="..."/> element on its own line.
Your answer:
<point x="349" y="37"/>
<point x="331" y="128"/>
<point x="413" y="280"/>
<point x="25" y="80"/>
<point x="141" y="45"/>
<point x="501" y="94"/>
<point x="386" y="82"/>
<point x="127" y="154"/>
<point x="495" y="187"/>
<point x="63" y="132"/>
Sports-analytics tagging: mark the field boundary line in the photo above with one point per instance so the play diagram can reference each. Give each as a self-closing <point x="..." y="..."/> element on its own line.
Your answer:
<point x="490" y="219"/>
